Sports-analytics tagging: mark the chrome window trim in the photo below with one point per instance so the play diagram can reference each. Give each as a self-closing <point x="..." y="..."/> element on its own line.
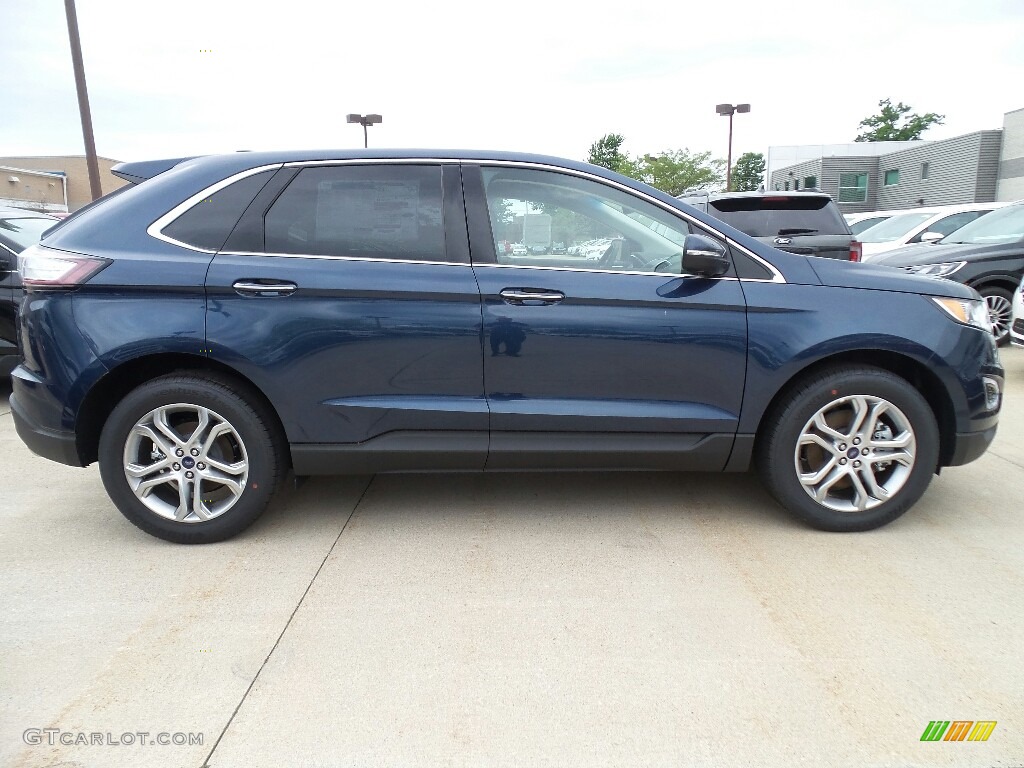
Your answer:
<point x="154" y="229"/>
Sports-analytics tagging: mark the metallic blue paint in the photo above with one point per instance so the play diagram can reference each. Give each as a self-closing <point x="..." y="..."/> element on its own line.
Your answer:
<point x="368" y="348"/>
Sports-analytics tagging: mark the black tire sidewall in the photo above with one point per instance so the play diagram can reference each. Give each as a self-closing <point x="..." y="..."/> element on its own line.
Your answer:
<point x="252" y="429"/>
<point x="778" y="456"/>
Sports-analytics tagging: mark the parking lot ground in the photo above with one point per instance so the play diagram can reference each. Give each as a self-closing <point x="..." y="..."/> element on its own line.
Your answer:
<point x="516" y="619"/>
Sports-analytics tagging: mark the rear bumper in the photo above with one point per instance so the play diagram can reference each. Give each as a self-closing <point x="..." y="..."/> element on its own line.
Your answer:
<point x="50" y="444"/>
<point x="970" y="446"/>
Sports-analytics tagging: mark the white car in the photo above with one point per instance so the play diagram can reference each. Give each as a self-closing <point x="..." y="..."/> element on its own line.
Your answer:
<point x="860" y="221"/>
<point x="1017" y="324"/>
<point x="518" y="249"/>
<point x="920" y="225"/>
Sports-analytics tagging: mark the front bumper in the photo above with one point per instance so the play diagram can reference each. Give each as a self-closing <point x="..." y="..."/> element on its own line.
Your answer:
<point x="50" y="444"/>
<point x="971" y="445"/>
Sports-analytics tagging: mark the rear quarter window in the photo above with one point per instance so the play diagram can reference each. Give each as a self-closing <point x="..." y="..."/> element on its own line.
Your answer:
<point x="772" y="216"/>
<point x="208" y="223"/>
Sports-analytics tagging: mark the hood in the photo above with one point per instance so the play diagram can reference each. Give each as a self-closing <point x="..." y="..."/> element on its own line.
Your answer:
<point x="850" y="274"/>
<point x="937" y="253"/>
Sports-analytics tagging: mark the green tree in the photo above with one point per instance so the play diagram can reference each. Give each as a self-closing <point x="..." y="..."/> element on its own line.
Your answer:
<point x="607" y="153"/>
<point x="892" y="123"/>
<point x="748" y="173"/>
<point x="675" y="171"/>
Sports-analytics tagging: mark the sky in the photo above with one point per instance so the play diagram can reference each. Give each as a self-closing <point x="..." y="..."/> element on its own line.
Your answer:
<point x="185" y="78"/>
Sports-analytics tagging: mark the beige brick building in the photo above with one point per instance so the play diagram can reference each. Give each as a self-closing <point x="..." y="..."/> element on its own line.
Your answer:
<point x="41" y="182"/>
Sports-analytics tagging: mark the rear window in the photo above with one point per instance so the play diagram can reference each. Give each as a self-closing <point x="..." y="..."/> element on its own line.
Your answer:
<point x="773" y="216"/>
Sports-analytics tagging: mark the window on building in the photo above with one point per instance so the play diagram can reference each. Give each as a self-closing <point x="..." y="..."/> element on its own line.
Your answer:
<point x="925" y="169"/>
<point x="786" y="186"/>
<point x="853" y="187"/>
<point x="810" y="181"/>
<point x="796" y="184"/>
<point x="892" y="177"/>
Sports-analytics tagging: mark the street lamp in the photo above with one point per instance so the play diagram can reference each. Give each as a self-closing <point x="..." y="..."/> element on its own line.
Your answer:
<point x="365" y="120"/>
<point x="730" y="110"/>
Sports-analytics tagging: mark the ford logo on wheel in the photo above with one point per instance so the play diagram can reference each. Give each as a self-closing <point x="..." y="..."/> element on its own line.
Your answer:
<point x="783" y="240"/>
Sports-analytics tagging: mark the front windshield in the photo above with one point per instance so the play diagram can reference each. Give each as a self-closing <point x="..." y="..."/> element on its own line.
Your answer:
<point x="23" y="232"/>
<point x="1004" y="225"/>
<point x="894" y="228"/>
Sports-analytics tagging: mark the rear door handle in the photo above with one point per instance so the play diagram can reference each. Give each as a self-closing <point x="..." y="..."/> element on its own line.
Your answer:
<point x="532" y="296"/>
<point x="261" y="288"/>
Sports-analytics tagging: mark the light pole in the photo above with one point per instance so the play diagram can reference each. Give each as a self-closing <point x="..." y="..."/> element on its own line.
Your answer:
<point x="83" y="100"/>
<point x="365" y="120"/>
<point x="730" y="110"/>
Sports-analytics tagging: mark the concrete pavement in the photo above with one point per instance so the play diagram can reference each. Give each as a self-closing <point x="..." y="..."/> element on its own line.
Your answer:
<point x="500" y="620"/>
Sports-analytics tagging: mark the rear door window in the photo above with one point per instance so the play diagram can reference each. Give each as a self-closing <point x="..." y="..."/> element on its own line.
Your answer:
<point x="369" y="211"/>
<point x="770" y="216"/>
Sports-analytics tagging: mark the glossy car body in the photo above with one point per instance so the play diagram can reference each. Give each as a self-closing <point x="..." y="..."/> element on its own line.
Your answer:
<point x="920" y="225"/>
<point x="858" y="222"/>
<point x="1017" y="326"/>
<point x="991" y="262"/>
<point x="18" y="229"/>
<point x="370" y="363"/>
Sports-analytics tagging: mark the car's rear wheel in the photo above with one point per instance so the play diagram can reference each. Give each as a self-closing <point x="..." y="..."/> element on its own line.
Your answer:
<point x="1000" y="311"/>
<point x="849" y="449"/>
<point x="189" y="459"/>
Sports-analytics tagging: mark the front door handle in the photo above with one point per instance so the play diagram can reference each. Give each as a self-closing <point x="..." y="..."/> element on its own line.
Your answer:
<point x="531" y="296"/>
<point x="261" y="288"/>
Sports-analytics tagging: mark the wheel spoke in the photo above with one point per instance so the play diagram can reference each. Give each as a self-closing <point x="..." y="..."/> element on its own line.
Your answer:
<point x="810" y="438"/>
<point x="901" y="440"/>
<point x="813" y="478"/>
<point x="161" y="423"/>
<point x="900" y="457"/>
<point x="231" y="483"/>
<point x="197" y="434"/>
<point x="861" y="500"/>
<point x="216" y="431"/>
<point x="860" y="414"/>
<point x="822" y="489"/>
<point x="139" y="470"/>
<point x="198" y="504"/>
<point x="144" y="487"/>
<point x="871" y="423"/>
<point x="159" y="440"/>
<point x="871" y="482"/>
<point x="824" y="428"/>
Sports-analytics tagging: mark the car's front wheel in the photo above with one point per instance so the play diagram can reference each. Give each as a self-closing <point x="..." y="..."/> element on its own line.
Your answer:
<point x="849" y="449"/>
<point x="1000" y="311"/>
<point x="189" y="459"/>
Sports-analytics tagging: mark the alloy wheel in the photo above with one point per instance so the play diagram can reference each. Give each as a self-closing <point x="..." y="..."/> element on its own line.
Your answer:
<point x="1000" y="311"/>
<point x="186" y="463"/>
<point x="855" y="453"/>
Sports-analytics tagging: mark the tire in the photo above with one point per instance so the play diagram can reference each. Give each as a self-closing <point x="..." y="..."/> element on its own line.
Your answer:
<point x="1000" y="307"/>
<point x="223" y="478"/>
<point x="809" y="432"/>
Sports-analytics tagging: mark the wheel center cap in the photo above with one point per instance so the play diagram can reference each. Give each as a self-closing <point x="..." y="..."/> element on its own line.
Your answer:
<point x="188" y="462"/>
<point x="853" y="453"/>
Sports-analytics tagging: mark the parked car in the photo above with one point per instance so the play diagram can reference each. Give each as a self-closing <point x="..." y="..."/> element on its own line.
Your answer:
<point x="518" y="249"/>
<point x="18" y="230"/>
<point x="558" y="249"/>
<point x="987" y="254"/>
<point x="920" y="225"/>
<point x="1017" y="324"/>
<point x="230" y="318"/>
<point x="858" y="222"/>
<point x="808" y="223"/>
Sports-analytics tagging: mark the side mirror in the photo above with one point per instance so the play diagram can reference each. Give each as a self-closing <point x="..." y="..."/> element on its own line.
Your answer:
<point x="931" y="237"/>
<point x="704" y="256"/>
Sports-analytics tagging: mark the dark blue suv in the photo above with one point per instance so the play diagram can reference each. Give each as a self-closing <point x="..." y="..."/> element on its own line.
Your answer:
<point x="227" y="319"/>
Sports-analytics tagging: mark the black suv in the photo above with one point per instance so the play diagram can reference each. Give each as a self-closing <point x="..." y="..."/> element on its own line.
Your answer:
<point x="807" y="223"/>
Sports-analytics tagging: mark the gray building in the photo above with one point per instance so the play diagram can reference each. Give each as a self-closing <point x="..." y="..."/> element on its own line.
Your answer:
<point x="977" y="167"/>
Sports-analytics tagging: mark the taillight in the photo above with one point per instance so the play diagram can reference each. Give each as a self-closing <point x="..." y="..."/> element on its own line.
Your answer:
<point x="47" y="268"/>
<point x="856" y="251"/>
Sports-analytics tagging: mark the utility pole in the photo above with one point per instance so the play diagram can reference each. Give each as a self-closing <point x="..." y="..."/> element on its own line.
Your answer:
<point x="83" y="100"/>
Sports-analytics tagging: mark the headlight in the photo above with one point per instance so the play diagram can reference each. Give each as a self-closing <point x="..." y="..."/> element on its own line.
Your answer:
<point x="967" y="311"/>
<point x="936" y="270"/>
